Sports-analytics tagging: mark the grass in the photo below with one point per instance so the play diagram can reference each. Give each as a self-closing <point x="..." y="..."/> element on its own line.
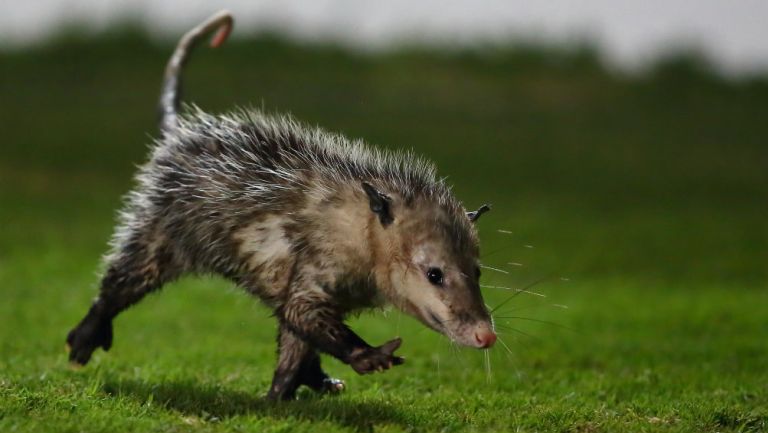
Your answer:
<point x="643" y="200"/>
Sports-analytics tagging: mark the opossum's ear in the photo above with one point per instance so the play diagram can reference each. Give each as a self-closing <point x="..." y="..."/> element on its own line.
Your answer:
<point x="475" y="215"/>
<point x="379" y="203"/>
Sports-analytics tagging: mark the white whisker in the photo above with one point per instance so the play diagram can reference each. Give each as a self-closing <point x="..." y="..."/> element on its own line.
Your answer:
<point x="494" y="269"/>
<point x="546" y="322"/>
<point x="514" y="290"/>
<point x="515" y="264"/>
<point x="506" y="232"/>
<point x="507" y="348"/>
<point x="456" y="353"/>
<point x="511" y="358"/>
<point x="487" y="355"/>
<point x="436" y="357"/>
<point x="506" y="327"/>
<point x="525" y="288"/>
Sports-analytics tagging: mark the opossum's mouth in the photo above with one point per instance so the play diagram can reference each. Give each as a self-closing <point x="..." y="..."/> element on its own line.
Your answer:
<point x="435" y="320"/>
<point x="479" y="335"/>
<point x="431" y="319"/>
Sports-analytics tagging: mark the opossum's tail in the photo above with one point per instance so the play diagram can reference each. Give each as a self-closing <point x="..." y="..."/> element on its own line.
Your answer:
<point x="170" y="93"/>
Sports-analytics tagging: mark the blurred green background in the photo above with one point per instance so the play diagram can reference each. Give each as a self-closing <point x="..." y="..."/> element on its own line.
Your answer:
<point x="661" y="176"/>
<point x="639" y="201"/>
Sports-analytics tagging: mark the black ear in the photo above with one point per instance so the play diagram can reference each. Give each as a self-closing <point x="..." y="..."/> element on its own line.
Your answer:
<point x="474" y="215"/>
<point x="379" y="204"/>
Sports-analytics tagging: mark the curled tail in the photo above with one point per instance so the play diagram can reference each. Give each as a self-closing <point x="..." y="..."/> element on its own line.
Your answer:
<point x="170" y="92"/>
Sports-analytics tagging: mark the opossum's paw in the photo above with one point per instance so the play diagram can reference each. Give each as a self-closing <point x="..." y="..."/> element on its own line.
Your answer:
<point x="379" y="358"/>
<point x="333" y="386"/>
<point x="90" y="334"/>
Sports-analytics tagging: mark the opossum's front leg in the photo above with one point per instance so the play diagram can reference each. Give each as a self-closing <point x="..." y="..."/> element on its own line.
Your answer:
<point x="311" y="315"/>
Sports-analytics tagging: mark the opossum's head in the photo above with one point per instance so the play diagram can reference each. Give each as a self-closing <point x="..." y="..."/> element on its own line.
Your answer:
<point x="427" y="256"/>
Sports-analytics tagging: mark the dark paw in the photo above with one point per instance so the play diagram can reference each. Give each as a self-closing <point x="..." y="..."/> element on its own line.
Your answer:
<point x="91" y="333"/>
<point x="379" y="358"/>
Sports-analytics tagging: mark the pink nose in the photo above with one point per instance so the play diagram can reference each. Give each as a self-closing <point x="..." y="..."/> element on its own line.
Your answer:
<point x="485" y="338"/>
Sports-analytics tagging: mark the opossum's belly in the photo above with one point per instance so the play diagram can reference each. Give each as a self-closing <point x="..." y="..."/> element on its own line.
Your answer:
<point x="264" y="253"/>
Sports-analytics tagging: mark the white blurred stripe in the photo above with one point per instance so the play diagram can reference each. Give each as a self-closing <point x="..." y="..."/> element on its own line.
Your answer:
<point x="734" y="33"/>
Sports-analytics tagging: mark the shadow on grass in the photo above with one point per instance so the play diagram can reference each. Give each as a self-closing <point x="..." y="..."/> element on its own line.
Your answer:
<point x="212" y="402"/>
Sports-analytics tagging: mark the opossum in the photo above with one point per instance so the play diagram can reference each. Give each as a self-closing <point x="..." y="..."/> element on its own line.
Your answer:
<point x="315" y="225"/>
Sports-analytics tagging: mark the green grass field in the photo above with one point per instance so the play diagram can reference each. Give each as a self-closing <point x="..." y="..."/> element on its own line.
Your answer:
<point x="639" y="203"/>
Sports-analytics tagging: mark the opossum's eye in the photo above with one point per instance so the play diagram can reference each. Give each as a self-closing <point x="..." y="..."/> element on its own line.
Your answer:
<point x="477" y="272"/>
<point x="435" y="276"/>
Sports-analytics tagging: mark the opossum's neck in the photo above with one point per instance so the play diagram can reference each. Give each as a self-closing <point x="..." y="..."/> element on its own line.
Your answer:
<point x="355" y="247"/>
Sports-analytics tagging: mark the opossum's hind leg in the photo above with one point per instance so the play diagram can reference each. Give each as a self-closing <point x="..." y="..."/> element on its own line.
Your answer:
<point x="312" y="375"/>
<point x="138" y="268"/>
<point x="299" y="364"/>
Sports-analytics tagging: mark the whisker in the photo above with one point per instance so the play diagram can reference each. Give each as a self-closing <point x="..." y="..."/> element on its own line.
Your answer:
<point x="511" y="355"/>
<point x="516" y="290"/>
<point x="486" y="354"/>
<point x="539" y="321"/>
<point x="509" y="328"/>
<point x="515" y="264"/>
<point x="436" y="348"/>
<point x="490" y="317"/>
<point x="494" y="269"/>
<point x="456" y="352"/>
<point x="519" y="343"/>
<point x="511" y="358"/>
<point x="525" y="288"/>
<point x="504" y="345"/>
<point x="506" y="232"/>
<point x="533" y="307"/>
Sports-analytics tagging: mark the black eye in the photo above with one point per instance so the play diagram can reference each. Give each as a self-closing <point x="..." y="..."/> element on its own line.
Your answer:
<point x="477" y="273"/>
<point x="435" y="276"/>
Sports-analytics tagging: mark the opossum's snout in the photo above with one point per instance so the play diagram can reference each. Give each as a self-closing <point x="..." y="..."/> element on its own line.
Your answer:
<point x="478" y="334"/>
<point x="485" y="338"/>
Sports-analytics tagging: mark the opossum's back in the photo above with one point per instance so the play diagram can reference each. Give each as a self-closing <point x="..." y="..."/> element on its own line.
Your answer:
<point x="220" y="162"/>
<point x="206" y="181"/>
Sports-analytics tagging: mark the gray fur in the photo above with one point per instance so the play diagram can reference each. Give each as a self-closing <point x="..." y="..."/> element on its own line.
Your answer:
<point x="280" y="208"/>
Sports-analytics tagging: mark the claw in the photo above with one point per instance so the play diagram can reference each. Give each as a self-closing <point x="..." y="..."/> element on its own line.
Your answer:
<point x="334" y="386"/>
<point x="376" y="359"/>
<point x="390" y="346"/>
